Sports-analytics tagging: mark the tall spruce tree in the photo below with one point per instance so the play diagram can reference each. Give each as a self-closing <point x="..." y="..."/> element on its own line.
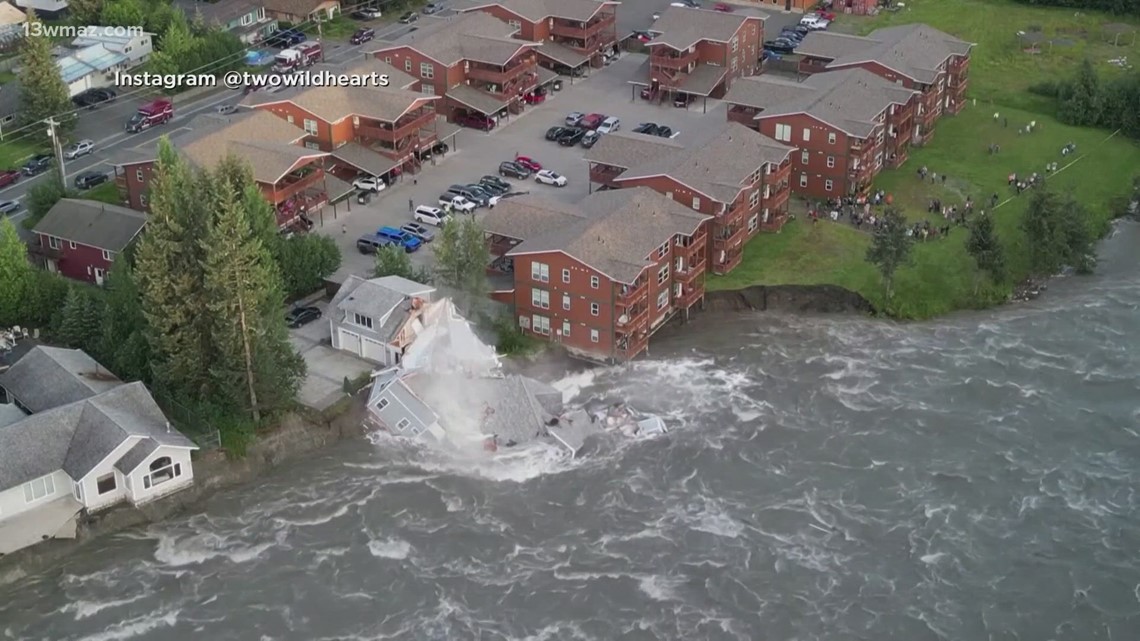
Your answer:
<point x="1041" y="223"/>
<point x="16" y="276"/>
<point x="984" y="248"/>
<point x="123" y="345"/>
<point x="43" y="94"/>
<point x="81" y="317"/>
<point x="890" y="248"/>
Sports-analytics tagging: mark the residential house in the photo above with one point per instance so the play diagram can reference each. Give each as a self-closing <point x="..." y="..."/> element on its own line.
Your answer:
<point x="601" y="276"/>
<point x="45" y="9"/>
<point x="845" y="126"/>
<point x="298" y="11"/>
<point x="377" y="319"/>
<point x="81" y="238"/>
<point x="914" y="56"/>
<point x="101" y="52"/>
<point x="473" y="61"/>
<point x="81" y="441"/>
<point x="11" y="22"/>
<point x="292" y="177"/>
<point x="699" y="53"/>
<point x="246" y="19"/>
<point x="732" y="174"/>
<point x="370" y="130"/>
<point x="573" y="33"/>
<point x="11" y="105"/>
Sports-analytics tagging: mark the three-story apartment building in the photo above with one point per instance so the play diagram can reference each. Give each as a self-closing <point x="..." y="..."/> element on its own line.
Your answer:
<point x="573" y="33"/>
<point x="601" y="276"/>
<point x="844" y="125"/>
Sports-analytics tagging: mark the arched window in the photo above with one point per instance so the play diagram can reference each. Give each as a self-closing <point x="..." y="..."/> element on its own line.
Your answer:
<point x="159" y="463"/>
<point x="162" y="469"/>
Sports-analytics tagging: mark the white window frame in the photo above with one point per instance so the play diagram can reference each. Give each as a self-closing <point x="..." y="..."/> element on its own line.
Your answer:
<point x="403" y="424"/>
<point x="565" y="328"/>
<point x="310" y="126"/>
<point x="805" y="157"/>
<point x="540" y="324"/>
<point x="828" y="185"/>
<point x="831" y="137"/>
<point x="783" y="132"/>
<point x="108" y="255"/>
<point x="382" y="403"/>
<point x="663" y="274"/>
<point x="566" y="302"/>
<point x="594" y="337"/>
<point x="139" y="175"/>
<point x="662" y="250"/>
<point x="361" y="320"/>
<point x="408" y="65"/>
<point x="427" y="90"/>
<point x="566" y="276"/>
<point x="595" y="282"/>
<point x="142" y="199"/>
<point x="754" y="199"/>
<point x="46" y="486"/>
<point x="175" y="469"/>
<point x="540" y="298"/>
<point x="427" y="71"/>
<point x="831" y="162"/>
<point x="595" y="309"/>
<point x="754" y="222"/>
<point x="803" y="180"/>
<point x="71" y="244"/>
<point x="697" y="203"/>
<point x="106" y="477"/>
<point x="540" y="272"/>
<point x="807" y="134"/>
<point x="54" y="243"/>
<point x="663" y="300"/>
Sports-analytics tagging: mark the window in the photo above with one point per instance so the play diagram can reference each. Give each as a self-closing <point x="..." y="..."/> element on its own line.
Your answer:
<point x="402" y="424"/>
<point x="108" y="255"/>
<point x="78" y="489"/>
<point x="382" y="404"/>
<point x="753" y="222"/>
<point x="362" y="321"/>
<point x="387" y="60"/>
<point x="805" y="157"/>
<point x="594" y="309"/>
<point x="803" y="180"/>
<point x="540" y="298"/>
<point x="663" y="274"/>
<point x="594" y="282"/>
<point x="754" y="199"/>
<point x="427" y="90"/>
<point x="517" y="24"/>
<point x="784" y="132"/>
<point x="663" y="299"/>
<point x="38" y="489"/>
<point x="831" y="161"/>
<point x="755" y="176"/>
<point x="53" y="242"/>
<point x="831" y="137"/>
<point x="566" y="302"/>
<point x="566" y="275"/>
<point x="408" y="65"/>
<point x="541" y="325"/>
<point x="662" y="250"/>
<point x="696" y="202"/>
<point x="312" y="145"/>
<point x="71" y="244"/>
<point x="105" y="483"/>
<point x="807" y="134"/>
<point x="139" y="175"/>
<point x="427" y="70"/>
<point x="593" y="335"/>
<point x="289" y="119"/>
<point x="565" y="328"/>
<point x="161" y="471"/>
<point x="310" y="127"/>
<point x="669" y="195"/>
<point x="142" y="200"/>
<point x="827" y="185"/>
<point x="735" y="44"/>
<point x="540" y="272"/>
<point x="247" y="20"/>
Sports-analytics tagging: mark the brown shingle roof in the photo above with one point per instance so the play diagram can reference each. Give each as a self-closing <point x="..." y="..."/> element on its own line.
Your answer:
<point x="367" y="64"/>
<point x="92" y="223"/>
<point x="831" y="45"/>
<point x="219" y="14"/>
<point x="474" y="36"/>
<point x="914" y="50"/>
<point x="293" y="7"/>
<point x="539" y="10"/>
<point x="614" y="231"/>
<point x="681" y="28"/>
<point x="850" y="99"/>
<point x="260" y="138"/>
<point x="333" y="104"/>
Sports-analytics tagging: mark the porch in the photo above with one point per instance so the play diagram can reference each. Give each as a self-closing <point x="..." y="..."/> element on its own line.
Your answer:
<point x="659" y="84"/>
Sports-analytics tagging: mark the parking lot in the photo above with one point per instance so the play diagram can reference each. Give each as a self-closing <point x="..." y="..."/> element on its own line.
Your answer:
<point x="327" y="367"/>
<point x="476" y="154"/>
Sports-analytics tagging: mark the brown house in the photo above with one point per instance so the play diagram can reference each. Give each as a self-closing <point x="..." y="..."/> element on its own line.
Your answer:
<point x="573" y="33"/>
<point x="473" y="61"/>
<point x="845" y="125"/>
<point x="699" y="53"/>
<point x="298" y="11"/>
<point x="291" y="177"/>
<point x="915" y="56"/>
<point x="600" y="276"/>
<point x="734" y="175"/>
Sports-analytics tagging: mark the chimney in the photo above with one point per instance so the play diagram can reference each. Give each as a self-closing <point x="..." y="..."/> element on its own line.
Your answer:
<point x="168" y="427"/>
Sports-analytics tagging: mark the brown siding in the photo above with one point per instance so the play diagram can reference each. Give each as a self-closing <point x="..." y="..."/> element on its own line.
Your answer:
<point x="581" y="296"/>
<point x="134" y="182"/>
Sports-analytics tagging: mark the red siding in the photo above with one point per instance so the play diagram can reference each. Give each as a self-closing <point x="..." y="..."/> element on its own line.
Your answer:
<point x="133" y="181"/>
<point x="76" y="261"/>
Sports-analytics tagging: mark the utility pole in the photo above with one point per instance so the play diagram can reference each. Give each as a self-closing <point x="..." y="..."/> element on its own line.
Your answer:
<point x="57" y="145"/>
<point x="321" y="37"/>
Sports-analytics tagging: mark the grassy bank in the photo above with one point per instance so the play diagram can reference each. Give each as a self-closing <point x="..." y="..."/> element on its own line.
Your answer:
<point x="941" y="278"/>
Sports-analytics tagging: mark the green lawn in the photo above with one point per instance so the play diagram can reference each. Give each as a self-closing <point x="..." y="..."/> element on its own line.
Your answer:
<point x="14" y="152"/>
<point x="108" y="193"/>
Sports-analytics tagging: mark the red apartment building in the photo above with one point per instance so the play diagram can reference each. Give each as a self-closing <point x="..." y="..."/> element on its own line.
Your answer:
<point x="916" y="56"/>
<point x="81" y="238"/>
<point x="573" y="33"/>
<point x="845" y="125"/>
<point x="734" y="175"/>
<point x="291" y="177"/>
<point x="473" y="61"/>
<point x="600" y="276"/>
<point x="699" y="53"/>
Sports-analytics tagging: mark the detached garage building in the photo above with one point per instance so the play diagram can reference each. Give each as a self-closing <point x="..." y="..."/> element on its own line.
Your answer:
<point x="377" y="319"/>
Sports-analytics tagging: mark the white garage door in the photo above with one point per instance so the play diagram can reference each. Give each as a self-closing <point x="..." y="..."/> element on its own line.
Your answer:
<point x="374" y="351"/>
<point x="350" y="342"/>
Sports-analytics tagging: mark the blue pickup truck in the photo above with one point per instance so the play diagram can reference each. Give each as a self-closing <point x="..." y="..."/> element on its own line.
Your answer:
<point x="409" y="242"/>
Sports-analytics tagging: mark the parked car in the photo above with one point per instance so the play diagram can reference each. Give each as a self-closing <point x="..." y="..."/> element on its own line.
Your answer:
<point x="780" y="46"/>
<point x="528" y="162"/>
<point x="368" y="13"/>
<point x="285" y="38"/>
<point x="419" y="231"/>
<point x="79" y="149"/>
<point x="647" y="128"/>
<point x="371" y="243"/>
<point x="683" y="100"/>
<point x="476" y="121"/>
<point x="536" y="97"/>
<point x="361" y="36"/>
<point x="409" y="242"/>
<point x="225" y="110"/>
<point x="431" y="8"/>
<point x="299" y="316"/>
<point x="430" y="215"/>
<point x="722" y="7"/>
<point x="645" y="36"/>
<point x="409" y="17"/>
<point x="590" y="139"/>
<point x="609" y="125"/>
<point x="452" y="202"/>
<point x="10" y="207"/>
<point x="554" y="133"/>
<point x="592" y="121"/>
<point x="815" y="22"/>
<point x="547" y="177"/>
<point x="9" y="177"/>
<point x="665" y="132"/>
<point x="509" y="168"/>
<point x="92" y="98"/>
<point x="89" y="179"/>
<point x="573" y="118"/>
<point x="795" y="36"/>
<point x="474" y="194"/>
<point x="498" y="185"/>
<point x="572" y="138"/>
<point x="484" y="193"/>
<point x="370" y="183"/>
<point x="770" y="55"/>
<point x="36" y="165"/>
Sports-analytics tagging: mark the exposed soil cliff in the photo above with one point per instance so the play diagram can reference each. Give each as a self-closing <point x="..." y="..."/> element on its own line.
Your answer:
<point x="822" y="299"/>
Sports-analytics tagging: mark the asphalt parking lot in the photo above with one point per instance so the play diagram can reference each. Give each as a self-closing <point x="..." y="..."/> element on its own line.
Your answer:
<point x="326" y="367"/>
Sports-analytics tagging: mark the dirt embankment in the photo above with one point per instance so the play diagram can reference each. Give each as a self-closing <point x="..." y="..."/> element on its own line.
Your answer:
<point x="817" y="299"/>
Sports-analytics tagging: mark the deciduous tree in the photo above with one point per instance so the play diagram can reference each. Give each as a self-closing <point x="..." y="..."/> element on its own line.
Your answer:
<point x="43" y="94"/>
<point x="1082" y="99"/>
<point x="43" y="196"/>
<point x="984" y="248"/>
<point x="392" y="260"/>
<point x="890" y="247"/>
<point x="462" y="256"/>
<point x="16" y="276"/>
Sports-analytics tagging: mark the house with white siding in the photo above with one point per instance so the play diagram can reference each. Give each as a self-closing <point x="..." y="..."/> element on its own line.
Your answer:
<point x="100" y="52"/>
<point x="377" y="319"/>
<point x="74" y="439"/>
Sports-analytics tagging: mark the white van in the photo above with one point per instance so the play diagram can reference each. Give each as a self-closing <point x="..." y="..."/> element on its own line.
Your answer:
<point x="430" y="215"/>
<point x="609" y="125"/>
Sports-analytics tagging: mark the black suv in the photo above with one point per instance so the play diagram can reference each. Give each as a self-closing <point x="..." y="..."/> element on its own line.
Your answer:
<point x="37" y="165"/>
<point x="647" y="128"/>
<point x="495" y="183"/>
<point x="89" y="179"/>
<point x="554" y="133"/>
<point x="572" y="137"/>
<point x="513" y="170"/>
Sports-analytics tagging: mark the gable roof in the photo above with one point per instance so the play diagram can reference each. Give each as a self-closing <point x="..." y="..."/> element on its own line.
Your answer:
<point x="366" y="64"/>
<point x="539" y="10"/>
<point x="10" y="15"/>
<point x="850" y="99"/>
<point x="293" y="7"/>
<point x="221" y="13"/>
<point x="404" y="286"/>
<point x="681" y="27"/>
<point x="611" y="231"/>
<point x="387" y="307"/>
<point x="267" y="142"/>
<point x="474" y="36"/>
<point x="92" y="223"/>
<point x="913" y="50"/>
<point x="335" y="103"/>
<point x="48" y="377"/>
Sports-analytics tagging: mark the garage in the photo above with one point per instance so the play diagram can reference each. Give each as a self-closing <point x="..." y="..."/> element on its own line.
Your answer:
<point x="375" y="351"/>
<point x="350" y="342"/>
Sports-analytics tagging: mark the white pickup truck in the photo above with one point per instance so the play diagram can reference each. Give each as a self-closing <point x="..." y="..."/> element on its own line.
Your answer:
<point x="452" y="202"/>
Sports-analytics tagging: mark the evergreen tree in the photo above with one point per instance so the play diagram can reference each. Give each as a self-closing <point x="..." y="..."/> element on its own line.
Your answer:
<point x="305" y="261"/>
<point x="85" y="12"/>
<point x="1082" y="102"/>
<point x="124" y="13"/>
<point x="1041" y="223"/>
<point x="43" y="309"/>
<point x="16" y="276"/>
<point x="462" y="256"/>
<point x="123" y="345"/>
<point x="890" y="247"/>
<point x="43" y="196"/>
<point x="81" y="317"/>
<point x="986" y="251"/>
<point x="1080" y="251"/>
<point x="43" y="93"/>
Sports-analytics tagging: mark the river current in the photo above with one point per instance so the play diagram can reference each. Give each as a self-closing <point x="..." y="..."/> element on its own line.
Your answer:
<point x="826" y="478"/>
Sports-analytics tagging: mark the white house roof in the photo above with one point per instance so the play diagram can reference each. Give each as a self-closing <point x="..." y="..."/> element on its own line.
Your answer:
<point x="115" y="37"/>
<point x="48" y="377"/>
<point x="94" y="59"/>
<point x="404" y="286"/>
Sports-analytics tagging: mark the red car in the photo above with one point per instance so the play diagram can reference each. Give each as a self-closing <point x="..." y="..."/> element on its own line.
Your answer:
<point x="826" y="15"/>
<point x="535" y="98"/>
<point x="723" y="8"/>
<point x="476" y="121"/>
<point x="592" y="121"/>
<point x="529" y="163"/>
<point x="8" y="177"/>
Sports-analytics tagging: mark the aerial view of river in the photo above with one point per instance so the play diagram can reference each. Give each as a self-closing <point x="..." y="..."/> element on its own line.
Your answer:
<point x="826" y="478"/>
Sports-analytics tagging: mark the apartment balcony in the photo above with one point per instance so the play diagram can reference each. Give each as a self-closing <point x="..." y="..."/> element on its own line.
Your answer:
<point x="501" y="76"/>
<point x="858" y="145"/>
<point x="722" y="264"/>
<point x="583" y="31"/>
<point x="632" y="320"/>
<point x="294" y="184"/>
<point x="674" y="61"/>
<point x="689" y="296"/>
<point x="626" y="348"/>
<point x="688" y="274"/>
<point x="629" y="295"/>
<point x="723" y="240"/>
<point x="777" y="199"/>
<point x="604" y="174"/>
<point x="392" y="133"/>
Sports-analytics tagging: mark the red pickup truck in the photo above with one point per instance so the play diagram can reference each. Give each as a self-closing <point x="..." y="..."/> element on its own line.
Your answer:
<point x="9" y="177"/>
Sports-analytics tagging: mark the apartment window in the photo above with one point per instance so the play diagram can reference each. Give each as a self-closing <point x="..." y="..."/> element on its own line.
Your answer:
<point x="139" y="175"/>
<point x="678" y="290"/>
<point x="831" y="161"/>
<point x="402" y="424"/>
<point x="831" y="137"/>
<point x="669" y="195"/>
<point x="696" y="203"/>
<point x="142" y="199"/>
<point x="732" y="64"/>
<point x="565" y="328"/>
<point x="38" y="489"/>
<point x="247" y="20"/>
<point x="540" y="272"/>
<point x="362" y="321"/>
<point x="71" y="244"/>
<point x="805" y="157"/>
<point x="662" y="250"/>
<point x="827" y="185"/>
<point x="803" y="180"/>
<point x="108" y="255"/>
<point x="755" y="177"/>
<point x="663" y="299"/>
<point x="663" y="274"/>
<point x="566" y="276"/>
<point x="594" y="282"/>
<point x="541" y="324"/>
<point x="310" y="127"/>
<point x="105" y="483"/>
<point x="807" y="134"/>
<point x="593" y="335"/>
<point x="735" y="44"/>
<point x="753" y="222"/>
<point x="517" y="24"/>
<point x="289" y="119"/>
<point x="427" y="90"/>
<point x="408" y="65"/>
<point x="387" y="60"/>
<point x="754" y="199"/>
<point x="382" y="404"/>
<point x="879" y="160"/>
<point x="784" y="133"/>
<point x="53" y="242"/>
<point x="78" y="492"/>
<point x="427" y="70"/>
<point x="311" y="145"/>
<point x="540" y="298"/>
<point x="566" y="302"/>
<point x="594" y="309"/>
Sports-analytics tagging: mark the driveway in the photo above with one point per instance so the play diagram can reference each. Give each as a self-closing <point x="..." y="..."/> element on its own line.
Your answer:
<point x="327" y="367"/>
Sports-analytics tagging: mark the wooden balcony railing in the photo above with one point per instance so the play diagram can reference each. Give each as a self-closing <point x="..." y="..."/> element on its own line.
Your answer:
<point x="732" y="258"/>
<point x="500" y="76"/>
<point x="603" y="174"/>
<point x="405" y="127"/>
<point x="289" y="187"/>
<point x="582" y="31"/>
<point x="689" y="297"/>
<point x="628" y="295"/>
<point x="632" y="321"/>
<point x="673" y="60"/>
<point x="724" y="241"/>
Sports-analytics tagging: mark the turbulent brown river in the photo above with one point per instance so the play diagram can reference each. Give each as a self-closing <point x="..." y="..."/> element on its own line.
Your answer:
<point x="828" y="478"/>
